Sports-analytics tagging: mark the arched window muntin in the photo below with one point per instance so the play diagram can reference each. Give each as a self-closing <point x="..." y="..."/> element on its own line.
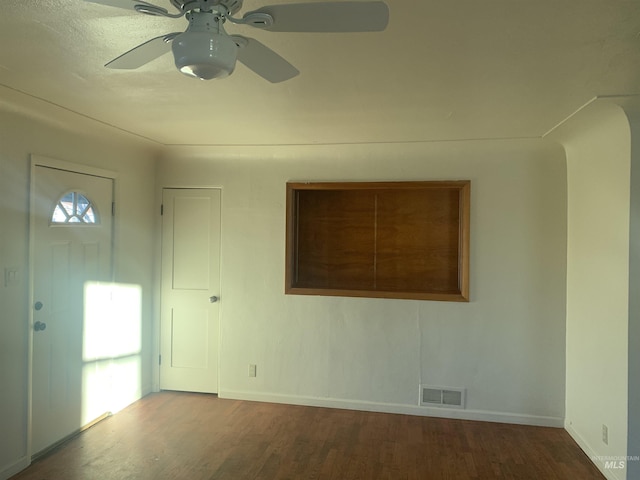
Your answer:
<point x="74" y="208"/>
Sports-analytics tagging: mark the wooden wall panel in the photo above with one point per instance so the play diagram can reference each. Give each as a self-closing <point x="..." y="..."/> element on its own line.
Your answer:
<point x="391" y="240"/>
<point x="417" y="240"/>
<point x="335" y="242"/>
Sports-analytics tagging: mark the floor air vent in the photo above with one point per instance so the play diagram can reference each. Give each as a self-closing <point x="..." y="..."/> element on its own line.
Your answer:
<point x="442" y="396"/>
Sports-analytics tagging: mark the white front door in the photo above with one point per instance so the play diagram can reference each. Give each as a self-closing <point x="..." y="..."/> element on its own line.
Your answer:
<point x="190" y="290"/>
<point x="72" y="223"/>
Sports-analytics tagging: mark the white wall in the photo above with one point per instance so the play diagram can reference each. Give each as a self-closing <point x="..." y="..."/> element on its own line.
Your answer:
<point x="597" y="142"/>
<point x="633" y="422"/>
<point x="506" y="346"/>
<point x="26" y="127"/>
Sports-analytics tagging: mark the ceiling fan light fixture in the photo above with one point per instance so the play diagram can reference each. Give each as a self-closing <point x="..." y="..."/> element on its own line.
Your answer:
<point x="204" y="55"/>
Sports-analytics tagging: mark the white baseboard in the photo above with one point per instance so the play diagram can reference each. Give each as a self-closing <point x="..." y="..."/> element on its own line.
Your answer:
<point x="8" y="471"/>
<point x="598" y="461"/>
<point x="462" y="414"/>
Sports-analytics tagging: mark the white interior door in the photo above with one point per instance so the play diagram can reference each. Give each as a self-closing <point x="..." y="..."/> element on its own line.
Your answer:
<point x="72" y="225"/>
<point x="190" y="290"/>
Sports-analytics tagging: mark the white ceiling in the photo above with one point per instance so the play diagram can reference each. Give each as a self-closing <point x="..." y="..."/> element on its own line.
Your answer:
<point x="443" y="70"/>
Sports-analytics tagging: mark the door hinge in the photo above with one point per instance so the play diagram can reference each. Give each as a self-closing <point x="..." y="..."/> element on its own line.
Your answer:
<point x="159" y="359"/>
<point x="161" y="209"/>
<point x="113" y="209"/>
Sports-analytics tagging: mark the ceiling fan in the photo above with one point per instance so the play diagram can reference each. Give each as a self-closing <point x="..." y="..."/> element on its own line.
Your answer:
<point x="206" y="51"/>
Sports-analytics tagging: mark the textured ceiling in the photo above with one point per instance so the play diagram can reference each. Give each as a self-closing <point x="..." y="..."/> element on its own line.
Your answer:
<point x="443" y="70"/>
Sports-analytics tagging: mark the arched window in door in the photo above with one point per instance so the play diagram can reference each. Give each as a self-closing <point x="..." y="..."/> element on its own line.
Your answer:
<point x="74" y="207"/>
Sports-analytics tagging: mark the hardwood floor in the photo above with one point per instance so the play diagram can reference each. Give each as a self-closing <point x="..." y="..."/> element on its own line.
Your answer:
<point x="172" y="435"/>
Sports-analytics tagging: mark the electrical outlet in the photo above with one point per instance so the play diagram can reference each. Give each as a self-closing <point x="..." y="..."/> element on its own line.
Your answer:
<point x="605" y="434"/>
<point x="252" y="370"/>
<point x="11" y="277"/>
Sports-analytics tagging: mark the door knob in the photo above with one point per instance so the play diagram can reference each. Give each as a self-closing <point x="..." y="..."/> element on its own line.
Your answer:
<point x="213" y="299"/>
<point x="39" y="326"/>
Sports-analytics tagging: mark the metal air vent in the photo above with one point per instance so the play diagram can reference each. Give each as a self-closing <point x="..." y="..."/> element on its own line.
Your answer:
<point x="449" y="397"/>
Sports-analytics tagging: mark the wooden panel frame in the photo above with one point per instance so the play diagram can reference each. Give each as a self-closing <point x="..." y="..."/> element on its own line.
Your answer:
<point x="461" y="293"/>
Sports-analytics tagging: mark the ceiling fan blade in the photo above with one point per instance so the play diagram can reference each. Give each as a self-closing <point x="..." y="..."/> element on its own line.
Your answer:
<point x="327" y="17"/>
<point x="126" y="4"/>
<point x="144" y="53"/>
<point x="264" y="61"/>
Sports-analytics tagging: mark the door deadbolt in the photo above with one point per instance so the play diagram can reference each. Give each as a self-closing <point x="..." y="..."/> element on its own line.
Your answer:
<point x="38" y="305"/>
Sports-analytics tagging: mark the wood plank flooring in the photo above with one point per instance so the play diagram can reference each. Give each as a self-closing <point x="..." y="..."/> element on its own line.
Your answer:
<point x="172" y="435"/>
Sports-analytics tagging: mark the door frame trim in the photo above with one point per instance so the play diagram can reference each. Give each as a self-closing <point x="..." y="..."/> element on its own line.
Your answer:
<point x="42" y="161"/>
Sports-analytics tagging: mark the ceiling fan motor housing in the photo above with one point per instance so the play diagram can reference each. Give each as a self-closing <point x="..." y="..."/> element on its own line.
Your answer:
<point x="205" y="50"/>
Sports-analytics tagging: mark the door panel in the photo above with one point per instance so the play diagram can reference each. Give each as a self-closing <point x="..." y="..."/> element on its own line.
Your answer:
<point x="189" y="334"/>
<point x="66" y="256"/>
<point x="190" y="277"/>
<point x="191" y="241"/>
